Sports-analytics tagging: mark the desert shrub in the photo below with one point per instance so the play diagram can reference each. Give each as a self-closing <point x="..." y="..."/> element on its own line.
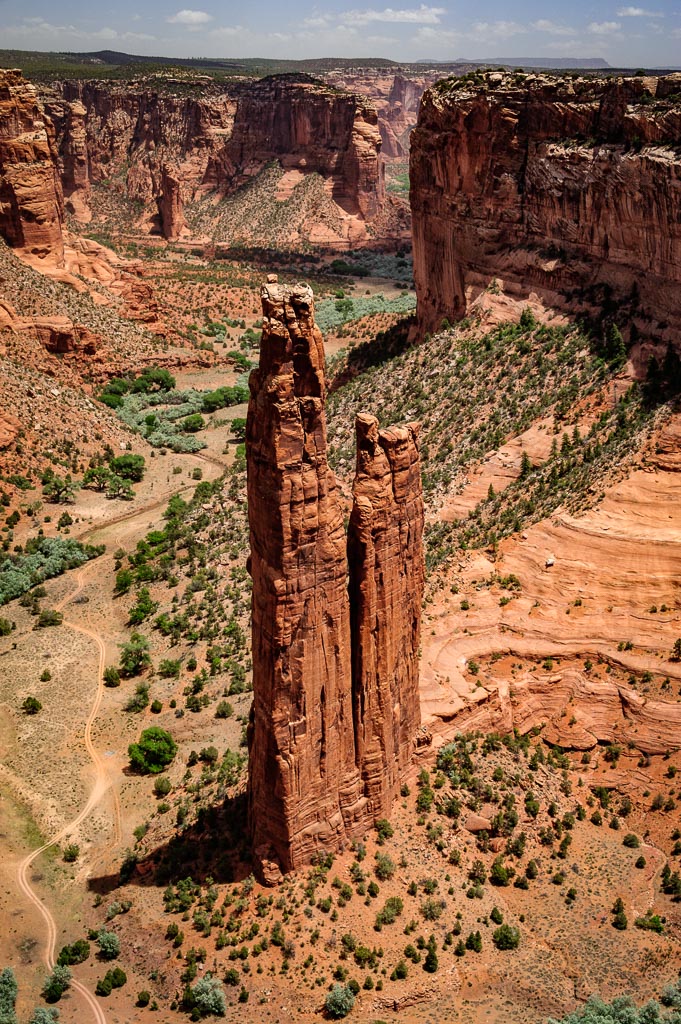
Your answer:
<point x="153" y="752"/>
<point x="506" y="937"/>
<point x="71" y="851"/>
<point x="49" y="617"/>
<point x="42" y="558"/>
<point x="162" y="786"/>
<point x="56" y="983"/>
<point x="31" y="706"/>
<point x="206" y="998"/>
<point x="41" y="1015"/>
<point x="109" y="944"/>
<point x="391" y="910"/>
<point x="621" y="1010"/>
<point x="339" y="1001"/>
<point x="384" y="867"/>
<point x="76" y="953"/>
<point x="112" y="676"/>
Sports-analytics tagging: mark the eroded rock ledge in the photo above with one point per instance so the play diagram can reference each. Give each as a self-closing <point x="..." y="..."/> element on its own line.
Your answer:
<point x="335" y="704"/>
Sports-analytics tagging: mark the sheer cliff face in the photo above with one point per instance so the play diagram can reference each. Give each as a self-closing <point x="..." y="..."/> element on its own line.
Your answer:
<point x="385" y="556"/>
<point x="550" y="185"/>
<point x="223" y="138"/>
<point x="31" y="201"/>
<point x="332" y="726"/>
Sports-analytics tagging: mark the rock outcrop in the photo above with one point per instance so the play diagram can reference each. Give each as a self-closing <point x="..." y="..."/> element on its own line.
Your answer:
<point x="31" y="200"/>
<point x="304" y="785"/>
<point x="385" y="556"/>
<point x="564" y="187"/>
<point x="170" y="206"/>
<point x="322" y="766"/>
<point x="74" y="162"/>
<point x="223" y="138"/>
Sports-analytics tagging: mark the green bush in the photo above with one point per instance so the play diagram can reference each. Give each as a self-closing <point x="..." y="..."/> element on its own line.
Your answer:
<point x="193" y="423"/>
<point x="506" y="937"/>
<point x="153" y="752"/>
<point x="56" y="983"/>
<point x="31" y="706"/>
<point x="76" y="953"/>
<point x="49" y="617"/>
<point x="8" y="996"/>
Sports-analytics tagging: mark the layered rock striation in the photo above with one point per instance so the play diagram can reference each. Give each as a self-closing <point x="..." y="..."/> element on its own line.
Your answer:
<point x="31" y="200"/>
<point x="566" y="187"/>
<point x="328" y="743"/>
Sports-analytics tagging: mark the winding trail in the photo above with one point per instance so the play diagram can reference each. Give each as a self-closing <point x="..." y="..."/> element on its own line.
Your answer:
<point x="100" y="787"/>
<point x="102" y="781"/>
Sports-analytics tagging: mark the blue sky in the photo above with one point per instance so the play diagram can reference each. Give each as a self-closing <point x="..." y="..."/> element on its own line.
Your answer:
<point x="622" y="33"/>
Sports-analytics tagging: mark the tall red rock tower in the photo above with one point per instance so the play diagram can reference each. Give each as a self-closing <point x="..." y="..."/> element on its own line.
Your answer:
<point x="335" y="709"/>
<point x="385" y="556"/>
<point x="304" y="785"/>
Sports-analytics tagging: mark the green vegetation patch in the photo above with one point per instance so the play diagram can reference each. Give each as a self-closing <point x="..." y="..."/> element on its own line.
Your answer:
<point x="41" y="559"/>
<point x="333" y="313"/>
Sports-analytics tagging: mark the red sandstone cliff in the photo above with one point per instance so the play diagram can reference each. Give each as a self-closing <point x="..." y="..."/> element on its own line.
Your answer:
<point x="385" y="556"/>
<point x="396" y="99"/>
<point x="31" y="202"/>
<point x="566" y="187"/>
<point x="222" y="139"/>
<point x="335" y="708"/>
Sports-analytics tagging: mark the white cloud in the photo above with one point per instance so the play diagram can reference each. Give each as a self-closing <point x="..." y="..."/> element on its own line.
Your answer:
<point x="35" y="26"/>
<point x="227" y="31"/>
<point x="318" y="21"/>
<point x="552" y="28"/>
<point x="434" y="36"/>
<point x="566" y="48"/>
<point x="190" y="19"/>
<point x="603" y="28"/>
<point x="638" y="12"/>
<point x="411" y="16"/>
<point x="497" y="29"/>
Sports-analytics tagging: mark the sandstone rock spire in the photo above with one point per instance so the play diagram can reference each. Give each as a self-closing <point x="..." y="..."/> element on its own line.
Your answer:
<point x="385" y="556"/>
<point x="335" y="705"/>
<point x="304" y="786"/>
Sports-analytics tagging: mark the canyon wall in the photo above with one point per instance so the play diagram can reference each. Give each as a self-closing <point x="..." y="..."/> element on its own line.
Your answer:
<point x="31" y="200"/>
<point x="328" y="742"/>
<point x="570" y="188"/>
<point x="221" y="138"/>
<point x="396" y="99"/>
